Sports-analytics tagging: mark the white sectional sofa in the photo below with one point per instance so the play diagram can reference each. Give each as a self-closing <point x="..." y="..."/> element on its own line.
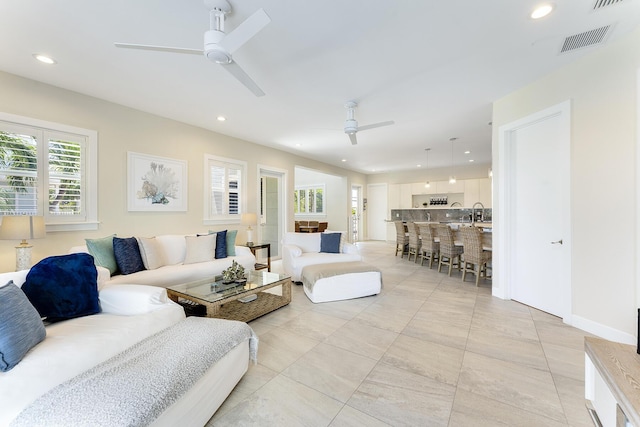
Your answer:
<point x="170" y="253"/>
<point x="130" y="314"/>
<point x="302" y="249"/>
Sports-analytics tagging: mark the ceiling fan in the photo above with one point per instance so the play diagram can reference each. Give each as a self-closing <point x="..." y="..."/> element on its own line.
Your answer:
<point x="351" y="125"/>
<point x="219" y="46"/>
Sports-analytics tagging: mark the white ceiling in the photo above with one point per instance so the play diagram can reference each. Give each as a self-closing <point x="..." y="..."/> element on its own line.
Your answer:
<point x="434" y="67"/>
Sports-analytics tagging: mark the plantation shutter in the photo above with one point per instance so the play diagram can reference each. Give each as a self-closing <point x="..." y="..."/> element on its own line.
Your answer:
<point x="65" y="177"/>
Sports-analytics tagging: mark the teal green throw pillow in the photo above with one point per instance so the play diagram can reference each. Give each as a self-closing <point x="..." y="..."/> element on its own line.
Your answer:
<point x="102" y="252"/>
<point x="231" y="242"/>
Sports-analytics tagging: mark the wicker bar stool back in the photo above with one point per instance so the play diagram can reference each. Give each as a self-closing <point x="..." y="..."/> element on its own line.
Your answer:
<point x="414" y="241"/>
<point x="449" y="252"/>
<point x="475" y="258"/>
<point x="402" y="239"/>
<point x="430" y="248"/>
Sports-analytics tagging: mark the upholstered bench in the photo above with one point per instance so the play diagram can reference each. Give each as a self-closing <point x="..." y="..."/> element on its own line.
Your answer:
<point x="340" y="281"/>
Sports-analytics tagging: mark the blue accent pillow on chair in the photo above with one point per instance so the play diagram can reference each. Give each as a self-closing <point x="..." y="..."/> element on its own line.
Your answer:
<point x="63" y="287"/>
<point x="127" y="254"/>
<point x="221" y="244"/>
<point x="330" y="243"/>
<point x="21" y="328"/>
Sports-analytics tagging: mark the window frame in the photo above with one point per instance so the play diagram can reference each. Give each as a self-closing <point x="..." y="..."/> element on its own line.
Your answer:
<point x="89" y="169"/>
<point x="303" y="202"/>
<point x="226" y="218"/>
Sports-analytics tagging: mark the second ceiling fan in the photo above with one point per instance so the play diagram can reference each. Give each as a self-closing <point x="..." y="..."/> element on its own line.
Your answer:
<point x="351" y="125"/>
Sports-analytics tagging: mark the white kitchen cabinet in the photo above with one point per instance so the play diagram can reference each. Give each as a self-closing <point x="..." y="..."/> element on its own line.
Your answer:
<point x="444" y="187"/>
<point x="393" y="196"/>
<point x="405" y="196"/>
<point x="471" y="192"/>
<point x="485" y="195"/>
<point x="419" y="188"/>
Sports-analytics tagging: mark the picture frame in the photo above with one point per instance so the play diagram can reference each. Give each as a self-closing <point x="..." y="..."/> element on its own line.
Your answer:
<point x="156" y="184"/>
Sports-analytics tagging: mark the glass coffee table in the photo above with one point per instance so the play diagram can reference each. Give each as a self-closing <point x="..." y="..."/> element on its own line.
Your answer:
<point x="222" y="300"/>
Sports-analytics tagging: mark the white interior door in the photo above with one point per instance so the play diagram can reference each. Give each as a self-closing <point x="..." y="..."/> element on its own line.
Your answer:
<point x="377" y="211"/>
<point x="539" y="212"/>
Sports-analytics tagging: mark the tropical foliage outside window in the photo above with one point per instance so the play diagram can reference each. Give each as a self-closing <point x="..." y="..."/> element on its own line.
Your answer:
<point x="44" y="172"/>
<point x="309" y="199"/>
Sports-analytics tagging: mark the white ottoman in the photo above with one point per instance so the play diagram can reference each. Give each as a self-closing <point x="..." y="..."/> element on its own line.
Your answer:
<point x="340" y="281"/>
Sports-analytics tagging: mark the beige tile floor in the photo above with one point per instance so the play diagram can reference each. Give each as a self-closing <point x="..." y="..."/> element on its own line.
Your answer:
<point x="428" y="351"/>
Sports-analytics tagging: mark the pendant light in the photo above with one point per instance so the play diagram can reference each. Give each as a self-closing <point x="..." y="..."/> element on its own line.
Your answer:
<point x="427" y="184"/>
<point x="452" y="177"/>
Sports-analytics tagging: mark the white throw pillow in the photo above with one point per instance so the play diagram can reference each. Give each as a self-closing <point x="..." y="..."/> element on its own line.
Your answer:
<point x="174" y="248"/>
<point x="151" y="252"/>
<point x="129" y="300"/>
<point x="200" y="248"/>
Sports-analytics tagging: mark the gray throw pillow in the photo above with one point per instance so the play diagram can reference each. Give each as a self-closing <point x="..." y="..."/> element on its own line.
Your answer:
<point x="21" y="328"/>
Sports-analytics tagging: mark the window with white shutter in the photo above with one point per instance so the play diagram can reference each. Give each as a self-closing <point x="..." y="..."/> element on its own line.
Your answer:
<point x="224" y="189"/>
<point x="48" y="169"/>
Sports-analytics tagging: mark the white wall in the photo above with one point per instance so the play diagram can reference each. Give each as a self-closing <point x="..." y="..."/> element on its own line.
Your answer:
<point x="602" y="89"/>
<point x="336" y="197"/>
<point x="121" y="129"/>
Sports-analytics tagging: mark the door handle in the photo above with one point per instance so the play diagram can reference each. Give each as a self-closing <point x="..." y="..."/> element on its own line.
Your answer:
<point x="557" y="242"/>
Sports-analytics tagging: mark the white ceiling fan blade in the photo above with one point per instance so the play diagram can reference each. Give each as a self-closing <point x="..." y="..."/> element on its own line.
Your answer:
<point x="243" y="77"/>
<point x="352" y="137"/>
<point x="375" y="125"/>
<point x="245" y="31"/>
<point x="160" y="48"/>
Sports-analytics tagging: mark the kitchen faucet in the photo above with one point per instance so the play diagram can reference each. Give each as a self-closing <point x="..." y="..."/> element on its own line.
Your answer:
<point x="477" y="218"/>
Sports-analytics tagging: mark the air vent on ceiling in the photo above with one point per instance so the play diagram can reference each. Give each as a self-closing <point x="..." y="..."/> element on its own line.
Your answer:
<point x="599" y="4"/>
<point x="588" y="38"/>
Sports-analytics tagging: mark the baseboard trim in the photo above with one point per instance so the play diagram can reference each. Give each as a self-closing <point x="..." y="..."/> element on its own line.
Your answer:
<point x="602" y="331"/>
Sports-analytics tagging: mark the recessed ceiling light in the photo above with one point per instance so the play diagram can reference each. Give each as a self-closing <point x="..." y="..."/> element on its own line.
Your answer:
<point x="298" y="145"/>
<point x="44" y="58"/>
<point x="541" y="11"/>
<point x="471" y="160"/>
<point x="221" y="118"/>
<point x="344" y="160"/>
<point x="467" y="152"/>
<point x="418" y="166"/>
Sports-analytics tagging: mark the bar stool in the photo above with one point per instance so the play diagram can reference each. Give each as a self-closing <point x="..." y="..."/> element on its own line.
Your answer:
<point x="475" y="258"/>
<point x="448" y="250"/>
<point x="414" y="241"/>
<point x="402" y="239"/>
<point x="430" y="248"/>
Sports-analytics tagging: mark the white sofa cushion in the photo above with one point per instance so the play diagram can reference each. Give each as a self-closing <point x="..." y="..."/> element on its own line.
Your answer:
<point x="200" y="248"/>
<point x="151" y="252"/>
<point x="129" y="300"/>
<point x="174" y="247"/>
<point x="307" y="242"/>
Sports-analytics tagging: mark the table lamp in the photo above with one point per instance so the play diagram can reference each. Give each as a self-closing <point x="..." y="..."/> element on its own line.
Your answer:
<point x="249" y="219"/>
<point x="22" y="227"/>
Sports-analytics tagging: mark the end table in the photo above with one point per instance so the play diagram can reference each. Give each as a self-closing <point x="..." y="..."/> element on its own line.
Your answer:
<point x="257" y="246"/>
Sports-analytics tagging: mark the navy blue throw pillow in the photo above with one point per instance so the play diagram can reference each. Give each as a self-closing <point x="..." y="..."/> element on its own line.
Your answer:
<point x="127" y="253"/>
<point x="221" y="244"/>
<point x="63" y="287"/>
<point x="330" y="243"/>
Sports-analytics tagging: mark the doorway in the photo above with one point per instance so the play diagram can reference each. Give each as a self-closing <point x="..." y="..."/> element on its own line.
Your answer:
<point x="533" y="223"/>
<point x="271" y="208"/>
<point x="356" y="212"/>
<point x="377" y="213"/>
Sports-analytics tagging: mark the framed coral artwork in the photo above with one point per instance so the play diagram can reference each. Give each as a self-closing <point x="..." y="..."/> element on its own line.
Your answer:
<point x="156" y="184"/>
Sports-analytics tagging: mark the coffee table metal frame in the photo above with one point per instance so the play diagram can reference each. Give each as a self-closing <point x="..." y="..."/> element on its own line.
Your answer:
<point x="228" y="306"/>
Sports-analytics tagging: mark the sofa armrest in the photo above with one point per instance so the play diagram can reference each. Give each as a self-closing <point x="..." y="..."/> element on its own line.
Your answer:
<point x="350" y="248"/>
<point x="129" y="300"/>
<point x="289" y="254"/>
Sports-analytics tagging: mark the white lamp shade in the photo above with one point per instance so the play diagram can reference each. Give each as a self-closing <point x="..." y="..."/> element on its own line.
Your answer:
<point x="249" y="219"/>
<point x="22" y="227"/>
